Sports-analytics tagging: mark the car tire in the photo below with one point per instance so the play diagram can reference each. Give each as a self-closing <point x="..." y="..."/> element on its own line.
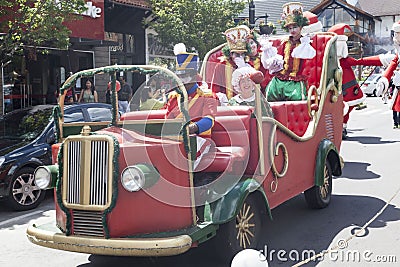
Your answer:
<point x="318" y="197"/>
<point x="374" y="93"/>
<point x="24" y="194"/>
<point x="242" y="232"/>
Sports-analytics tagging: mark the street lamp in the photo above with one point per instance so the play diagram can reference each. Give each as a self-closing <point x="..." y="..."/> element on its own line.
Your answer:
<point x="252" y="14"/>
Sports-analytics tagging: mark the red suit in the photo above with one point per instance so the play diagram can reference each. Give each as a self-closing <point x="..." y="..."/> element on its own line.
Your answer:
<point x="219" y="73"/>
<point x="387" y="75"/>
<point x="201" y="105"/>
<point x="352" y="94"/>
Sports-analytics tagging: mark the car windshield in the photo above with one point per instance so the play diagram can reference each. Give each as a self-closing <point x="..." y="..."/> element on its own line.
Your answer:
<point x="25" y="124"/>
<point x="99" y="114"/>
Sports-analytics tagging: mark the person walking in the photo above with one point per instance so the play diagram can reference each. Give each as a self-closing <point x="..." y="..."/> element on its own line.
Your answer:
<point x="124" y="95"/>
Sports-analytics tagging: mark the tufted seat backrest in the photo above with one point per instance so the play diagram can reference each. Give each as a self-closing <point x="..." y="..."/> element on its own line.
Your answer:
<point x="312" y="67"/>
<point x="292" y="114"/>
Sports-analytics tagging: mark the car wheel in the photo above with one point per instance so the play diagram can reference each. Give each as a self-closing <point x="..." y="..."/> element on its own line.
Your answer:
<point x="318" y="197"/>
<point x="24" y="194"/>
<point x="242" y="232"/>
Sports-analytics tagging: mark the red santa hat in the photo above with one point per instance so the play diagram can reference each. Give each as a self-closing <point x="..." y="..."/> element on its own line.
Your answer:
<point x="341" y="30"/>
<point x="314" y="26"/>
<point x="396" y="26"/>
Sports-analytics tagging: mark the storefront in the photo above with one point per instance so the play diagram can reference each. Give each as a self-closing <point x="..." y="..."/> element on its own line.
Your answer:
<point x="109" y="32"/>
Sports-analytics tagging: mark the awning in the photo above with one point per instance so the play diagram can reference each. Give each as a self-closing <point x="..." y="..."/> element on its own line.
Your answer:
<point x="135" y="3"/>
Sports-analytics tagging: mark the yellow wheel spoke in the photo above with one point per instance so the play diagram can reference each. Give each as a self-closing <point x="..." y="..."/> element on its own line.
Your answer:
<point x="248" y="218"/>
<point x="249" y="232"/>
<point x="247" y="239"/>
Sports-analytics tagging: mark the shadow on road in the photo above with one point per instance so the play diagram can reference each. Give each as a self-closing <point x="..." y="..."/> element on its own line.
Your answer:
<point x="294" y="227"/>
<point x="368" y="140"/>
<point x="357" y="170"/>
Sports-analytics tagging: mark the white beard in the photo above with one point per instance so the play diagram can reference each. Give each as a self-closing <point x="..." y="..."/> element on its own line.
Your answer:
<point x="342" y="49"/>
<point x="396" y="43"/>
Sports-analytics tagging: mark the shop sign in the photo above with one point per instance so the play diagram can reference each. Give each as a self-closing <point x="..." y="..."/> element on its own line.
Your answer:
<point x="92" y="10"/>
<point x="116" y="48"/>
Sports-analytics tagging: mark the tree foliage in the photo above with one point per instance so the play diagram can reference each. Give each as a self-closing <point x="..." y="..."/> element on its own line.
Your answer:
<point x="196" y="23"/>
<point x="35" y="23"/>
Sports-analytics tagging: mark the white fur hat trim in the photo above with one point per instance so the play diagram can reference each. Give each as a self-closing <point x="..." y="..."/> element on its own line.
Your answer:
<point x="315" y="27"/>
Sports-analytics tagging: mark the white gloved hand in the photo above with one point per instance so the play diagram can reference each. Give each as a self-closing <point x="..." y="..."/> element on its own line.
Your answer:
<point x="304" y="50"/>
<point x="274" y="64"/>
<point x="382" y="86"/>
<point x="239" y="61"/>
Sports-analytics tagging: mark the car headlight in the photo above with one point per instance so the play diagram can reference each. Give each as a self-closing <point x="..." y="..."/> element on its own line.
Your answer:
<point x="139" y="176"/>
<point x="45" y="176"/>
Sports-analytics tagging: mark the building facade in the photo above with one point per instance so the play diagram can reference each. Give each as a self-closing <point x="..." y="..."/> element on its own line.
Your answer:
<point x="109" y="32"/>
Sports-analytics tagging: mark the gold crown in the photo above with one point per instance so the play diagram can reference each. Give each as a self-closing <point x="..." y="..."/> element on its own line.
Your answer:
<point x="237" y="38"/>
<point x="290" y="12"/>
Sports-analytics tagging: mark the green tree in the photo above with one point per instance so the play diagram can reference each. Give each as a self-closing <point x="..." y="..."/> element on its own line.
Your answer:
<point x="196" y="23"/>
<point x="35" y="23"/>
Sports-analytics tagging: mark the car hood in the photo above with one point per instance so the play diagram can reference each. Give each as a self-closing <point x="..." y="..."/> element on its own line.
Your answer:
<point x="8" y="145"/>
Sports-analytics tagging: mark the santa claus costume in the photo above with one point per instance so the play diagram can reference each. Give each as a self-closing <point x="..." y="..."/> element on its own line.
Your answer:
<point x="352" y="94"/>
<point x="383" y="83"/>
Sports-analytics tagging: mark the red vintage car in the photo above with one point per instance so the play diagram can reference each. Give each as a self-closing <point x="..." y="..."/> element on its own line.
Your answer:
<point x="129" y="188"/>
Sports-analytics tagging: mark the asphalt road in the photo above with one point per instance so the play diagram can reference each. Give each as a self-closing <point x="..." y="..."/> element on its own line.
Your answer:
<point x="365" y="197"/>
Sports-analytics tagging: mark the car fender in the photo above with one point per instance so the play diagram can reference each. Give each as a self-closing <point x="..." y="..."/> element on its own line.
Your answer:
<point x="228" y="206"/>
<point x="326" y="151"/>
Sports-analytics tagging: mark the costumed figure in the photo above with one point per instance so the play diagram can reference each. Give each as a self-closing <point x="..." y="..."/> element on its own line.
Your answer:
<point x="202" y="104"/>
<point x="254" y="56"/>
<point x="244" y="82"/>
<point x="383" y="83"/>
<point x="230" y="57"/>
<point x="395" y="100"/>
<point x="352" y="94"/>
<point x="285" y="62"/>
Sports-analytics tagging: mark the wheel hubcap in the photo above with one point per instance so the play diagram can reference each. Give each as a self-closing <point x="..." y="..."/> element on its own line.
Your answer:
<point x="245" y="229"/>
<point x="25" y="192"/>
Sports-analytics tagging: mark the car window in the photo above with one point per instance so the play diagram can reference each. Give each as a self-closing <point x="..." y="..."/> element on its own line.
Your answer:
<point x="99" y="114"/>
<point x="76" y="116"/>
<point x="25" y="124"/>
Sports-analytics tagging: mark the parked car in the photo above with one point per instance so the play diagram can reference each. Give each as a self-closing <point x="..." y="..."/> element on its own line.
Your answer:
<point x="26" y="137"/>
<point x="369" y="86"/>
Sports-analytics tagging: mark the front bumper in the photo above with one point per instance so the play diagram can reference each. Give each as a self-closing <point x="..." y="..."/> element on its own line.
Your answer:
<point x="51" y="237"/>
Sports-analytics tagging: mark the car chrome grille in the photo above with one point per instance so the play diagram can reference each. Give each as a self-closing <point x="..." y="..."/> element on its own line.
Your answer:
<point x="87" y="172"/>
<point x="88" y="223"/>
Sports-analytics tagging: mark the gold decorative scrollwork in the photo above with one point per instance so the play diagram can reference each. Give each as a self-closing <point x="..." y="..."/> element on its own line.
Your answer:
<point x="285" y="163"/>
<point x="274" y="151"/>
<point x="312" y="91"/>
